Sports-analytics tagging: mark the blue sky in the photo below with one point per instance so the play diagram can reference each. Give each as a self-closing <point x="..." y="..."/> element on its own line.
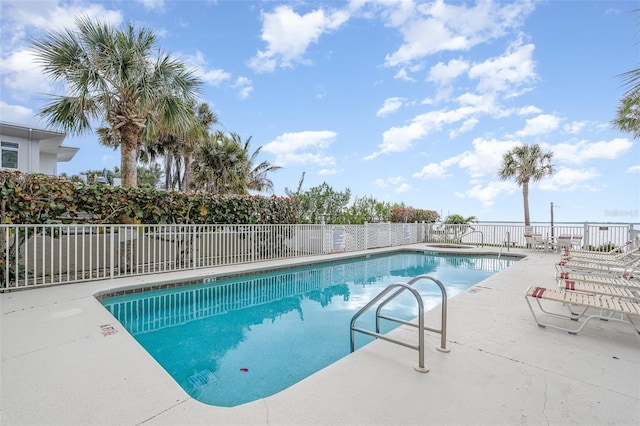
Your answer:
<point x="405" y="101"/>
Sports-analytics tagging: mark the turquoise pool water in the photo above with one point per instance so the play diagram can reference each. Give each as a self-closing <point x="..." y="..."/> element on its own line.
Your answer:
<point x="232" y="341"/>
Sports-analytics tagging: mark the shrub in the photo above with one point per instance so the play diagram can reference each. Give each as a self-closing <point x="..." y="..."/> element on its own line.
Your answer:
<point x="39" y="199"/>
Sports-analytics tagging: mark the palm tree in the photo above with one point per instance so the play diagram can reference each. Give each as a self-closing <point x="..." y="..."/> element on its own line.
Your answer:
<point x="177" y="149"/>
<point x="220" y="166"/>
<point x="224" y="165"/>
<point x="628" y="113"/>
<point x="458" y="219"/>
<point x="111" y="76"/>
<point x="526" y="163"/>
<point x="204" y="118"/>
<point x="257" y="178"/>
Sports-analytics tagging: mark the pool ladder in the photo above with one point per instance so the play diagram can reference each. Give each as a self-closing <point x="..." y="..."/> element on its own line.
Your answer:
<point x="384" y="297"/>
<point x="506" y="242"/>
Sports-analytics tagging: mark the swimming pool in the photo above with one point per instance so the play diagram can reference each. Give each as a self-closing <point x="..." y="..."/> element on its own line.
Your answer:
<point x="232" y="341"/>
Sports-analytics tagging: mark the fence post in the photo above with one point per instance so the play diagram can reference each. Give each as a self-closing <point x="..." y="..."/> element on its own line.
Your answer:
<point x="194" y="245"/>
<point x="111" y="251"/>
<point x="366" y="235"/>
<point x="586" y="236"/>
<point x="322" y="228"/>
<point x="633" y="235"/>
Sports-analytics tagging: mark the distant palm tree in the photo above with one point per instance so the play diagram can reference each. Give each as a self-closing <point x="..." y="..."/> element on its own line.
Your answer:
<point x="257" y="179"/>
<point x="459" y="219"/>
<point x="177" y="149"/>
<point x="526" y="163"/>
<point x="112" y="76"/>
<point x="205" y="118"/>
<point x="220" y="166"/>
<point x="224" y="165"/>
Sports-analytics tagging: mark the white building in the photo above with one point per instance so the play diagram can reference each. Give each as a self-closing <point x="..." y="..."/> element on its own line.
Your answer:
<point x="32" y="150"/>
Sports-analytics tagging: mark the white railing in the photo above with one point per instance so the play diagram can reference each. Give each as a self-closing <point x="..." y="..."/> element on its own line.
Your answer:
<point x="587" y="236"/>
<point x="40" y="255"/>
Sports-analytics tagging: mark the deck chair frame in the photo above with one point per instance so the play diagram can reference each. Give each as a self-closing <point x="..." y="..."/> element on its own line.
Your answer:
<point x="624" y="281"/>
<point x="607" y="308"/>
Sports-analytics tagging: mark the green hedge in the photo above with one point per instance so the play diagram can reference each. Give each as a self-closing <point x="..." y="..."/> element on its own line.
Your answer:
<point x="38" y="199"/>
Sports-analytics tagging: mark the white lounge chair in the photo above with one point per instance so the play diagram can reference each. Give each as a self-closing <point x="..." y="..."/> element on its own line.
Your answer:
<point x="611" y="309"/>
<point x="623" y="281"/>
<point x="536" y="241"/>
<point x="563" y="242"/>
<point x="612" y="267"/>
<point x="618" y="250"/>
<point x="624" y="292"/>
<point x="576" y="241"/>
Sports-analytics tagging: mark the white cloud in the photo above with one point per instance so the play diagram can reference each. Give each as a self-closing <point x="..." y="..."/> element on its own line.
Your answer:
<point x="21" y="74"/>
<point x="580" y="152"/>
<point x="403" y="75"/>
<point x="397" y="183"/>
<point x="487" y="194"/>
<point x="633" y="169"/>
<point x="380" y="183"/>
<point x="328" y="172"/>
<point x="574" y="127"/>
<point x="449" y="26"/>
<point x="527" y="110"/>
<point x="31" y="16"/>
<point x="405" y="187"/>
<point x="485" y="159"/>
<point x="293" y="158"/>
<point x="513" y="70"/>
<point x="213" y="76"/>
<point x="399" y="139"/>
<point x="396" y="180"/>
<point x="30" y="19"/>
<point x="432" y="170"/>
<point x="390" y="105"/>
<point x="544" y="123"/>
<point x="19" y="115"/>
<point x="244" y="87"/>
<point x="467" y="126"/>
<point x="288" y="35"/>
<point x="444" y="74"/>
<point x="152" y="4"/>
<point x="569" y="180"/>
<point x="294" y="148"/>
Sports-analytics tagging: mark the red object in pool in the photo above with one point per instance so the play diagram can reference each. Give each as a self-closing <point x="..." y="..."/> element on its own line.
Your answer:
<point x="244" y="370"/>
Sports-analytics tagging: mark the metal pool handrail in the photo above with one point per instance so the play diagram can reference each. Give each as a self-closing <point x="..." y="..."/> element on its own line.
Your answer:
<point x="400" y="287"/>
<point x="474" y="232"/>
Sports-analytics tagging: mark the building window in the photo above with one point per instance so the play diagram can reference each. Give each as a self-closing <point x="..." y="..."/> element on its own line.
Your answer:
<point x="10" y="155"/>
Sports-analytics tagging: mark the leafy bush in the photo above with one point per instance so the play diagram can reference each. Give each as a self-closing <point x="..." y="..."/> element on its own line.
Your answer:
<point x="38" y="199"/>
<point x="410" y="215"/>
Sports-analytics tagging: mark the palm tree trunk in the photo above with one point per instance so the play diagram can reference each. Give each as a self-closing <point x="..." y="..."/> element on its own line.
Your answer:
<point x="167" y="172"/>
<point x="129" y="159"/>
<point x="525" y="198"/>
<point x="187" y="172"/>
<point x="129" y="155"/>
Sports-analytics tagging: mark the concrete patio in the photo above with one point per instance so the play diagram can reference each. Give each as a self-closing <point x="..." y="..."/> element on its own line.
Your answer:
<point x="67" y="361"/>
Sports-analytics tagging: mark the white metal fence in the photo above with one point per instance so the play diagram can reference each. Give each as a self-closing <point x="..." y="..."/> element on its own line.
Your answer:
<point x="588" y="236"/>
<point x="40" y="255"/>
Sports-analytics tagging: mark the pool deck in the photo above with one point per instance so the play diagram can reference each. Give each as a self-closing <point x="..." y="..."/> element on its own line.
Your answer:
<point x="67" y="361"/>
